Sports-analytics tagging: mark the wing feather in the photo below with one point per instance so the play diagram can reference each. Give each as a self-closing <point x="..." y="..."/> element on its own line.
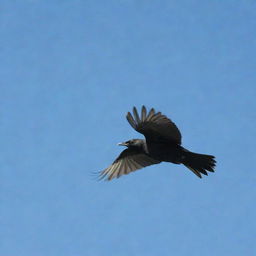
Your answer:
<point x="136" y="115"/>
<point x="131" y="120"/>
<point x="128" y="161"/>
<point x="150" y="114"/>
<point x="143" y="114"/>
<point x="154" y="126"/>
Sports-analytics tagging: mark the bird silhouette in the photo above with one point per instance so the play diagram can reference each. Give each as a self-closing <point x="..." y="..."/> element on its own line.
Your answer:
<point x="162" y="144"/>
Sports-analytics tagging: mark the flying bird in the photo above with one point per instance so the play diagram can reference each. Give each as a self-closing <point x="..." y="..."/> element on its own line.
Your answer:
<point x="162" y="143"/>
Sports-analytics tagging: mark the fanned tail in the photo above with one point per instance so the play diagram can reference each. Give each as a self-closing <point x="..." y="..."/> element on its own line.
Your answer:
<point x="199" y="163"/>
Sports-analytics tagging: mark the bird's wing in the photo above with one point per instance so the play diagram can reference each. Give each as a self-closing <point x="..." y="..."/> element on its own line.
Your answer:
<point x="154" y="126"/>
<point x="128" y="161"/>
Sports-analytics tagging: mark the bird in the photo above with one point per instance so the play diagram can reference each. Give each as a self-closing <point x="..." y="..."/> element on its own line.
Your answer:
<point x="162" y="143"/>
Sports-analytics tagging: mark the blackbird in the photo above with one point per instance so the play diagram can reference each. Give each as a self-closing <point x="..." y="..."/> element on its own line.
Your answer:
<point x="162" y="144"/>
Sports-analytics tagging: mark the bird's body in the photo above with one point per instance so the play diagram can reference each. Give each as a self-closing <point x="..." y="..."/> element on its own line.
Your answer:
<point x="162" y="144"/>
<point x="165" y="151"/>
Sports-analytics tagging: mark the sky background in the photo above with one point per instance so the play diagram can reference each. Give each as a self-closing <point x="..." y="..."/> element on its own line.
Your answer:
<point x="70" y="71"/>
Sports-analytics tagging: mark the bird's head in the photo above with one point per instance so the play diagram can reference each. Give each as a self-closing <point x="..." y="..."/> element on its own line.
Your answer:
<point x="131" y="143"/>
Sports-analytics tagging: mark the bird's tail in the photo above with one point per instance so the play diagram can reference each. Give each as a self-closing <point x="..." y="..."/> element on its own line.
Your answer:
<point x="198" y="163"/>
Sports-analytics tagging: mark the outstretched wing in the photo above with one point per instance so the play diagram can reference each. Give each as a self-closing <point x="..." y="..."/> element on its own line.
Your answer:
<point x="131" y="159"/>
<point x="154" y="126"/>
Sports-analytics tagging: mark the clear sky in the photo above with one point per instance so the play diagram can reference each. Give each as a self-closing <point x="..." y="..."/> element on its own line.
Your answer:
<point x="70" y="71"/>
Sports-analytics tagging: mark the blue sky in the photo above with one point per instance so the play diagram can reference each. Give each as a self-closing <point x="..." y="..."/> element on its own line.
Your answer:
<point x="70" y="71"/>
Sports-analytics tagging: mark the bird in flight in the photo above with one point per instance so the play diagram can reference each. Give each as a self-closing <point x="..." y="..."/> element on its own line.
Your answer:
<point x="162" y="143"/>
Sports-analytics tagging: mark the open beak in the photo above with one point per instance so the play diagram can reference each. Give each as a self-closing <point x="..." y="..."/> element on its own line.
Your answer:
<point x="122" y="144"/>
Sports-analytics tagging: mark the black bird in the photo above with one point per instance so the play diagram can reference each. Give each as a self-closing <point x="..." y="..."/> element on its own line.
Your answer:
<point x="162" y="144"/>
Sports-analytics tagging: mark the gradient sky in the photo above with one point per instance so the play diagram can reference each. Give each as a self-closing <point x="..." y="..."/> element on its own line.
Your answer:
<point x="70" y="71"/>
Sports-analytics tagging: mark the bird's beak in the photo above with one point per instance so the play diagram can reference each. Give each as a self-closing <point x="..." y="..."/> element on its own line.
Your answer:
<point x="122" y="144"/>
